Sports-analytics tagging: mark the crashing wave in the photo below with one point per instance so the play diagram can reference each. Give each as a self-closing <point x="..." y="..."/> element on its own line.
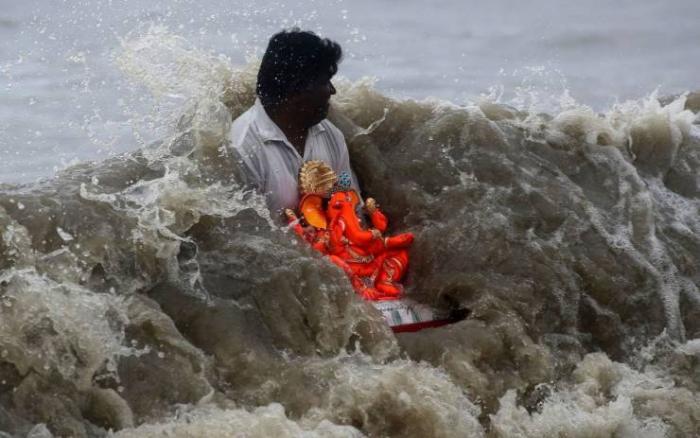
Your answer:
<point x="152" y="293"/>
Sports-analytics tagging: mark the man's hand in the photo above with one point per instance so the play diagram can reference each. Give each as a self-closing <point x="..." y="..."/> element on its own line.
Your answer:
<point x="290" y="214"/>
<point x="375" y="233"/>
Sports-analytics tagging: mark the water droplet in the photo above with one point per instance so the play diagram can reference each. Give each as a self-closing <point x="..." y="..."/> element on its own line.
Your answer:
<point x="67" y="237"/>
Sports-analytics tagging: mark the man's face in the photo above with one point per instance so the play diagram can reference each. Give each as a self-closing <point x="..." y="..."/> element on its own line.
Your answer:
<point x="313" y="102"/>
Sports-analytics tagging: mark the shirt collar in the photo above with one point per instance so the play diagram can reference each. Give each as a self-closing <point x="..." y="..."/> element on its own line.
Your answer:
<point x="269" y="131"/>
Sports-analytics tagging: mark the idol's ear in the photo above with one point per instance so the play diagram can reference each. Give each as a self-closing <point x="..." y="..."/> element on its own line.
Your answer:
<point x="311" y="206"/>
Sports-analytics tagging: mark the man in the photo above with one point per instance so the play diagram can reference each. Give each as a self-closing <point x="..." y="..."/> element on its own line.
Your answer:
<point x="287" y="124"/>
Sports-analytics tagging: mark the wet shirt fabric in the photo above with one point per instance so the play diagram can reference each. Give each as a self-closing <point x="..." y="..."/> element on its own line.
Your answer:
<point x="273" y="164"/>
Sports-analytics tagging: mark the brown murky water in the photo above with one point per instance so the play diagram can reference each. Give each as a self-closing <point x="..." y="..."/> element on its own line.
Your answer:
<point x="150" y="294"/>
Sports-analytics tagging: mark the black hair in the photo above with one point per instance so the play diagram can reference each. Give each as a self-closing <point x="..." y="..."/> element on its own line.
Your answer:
<point x="294" y="59"/>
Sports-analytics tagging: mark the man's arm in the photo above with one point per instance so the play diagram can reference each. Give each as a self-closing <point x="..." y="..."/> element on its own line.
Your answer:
<point x="245" y="171"/>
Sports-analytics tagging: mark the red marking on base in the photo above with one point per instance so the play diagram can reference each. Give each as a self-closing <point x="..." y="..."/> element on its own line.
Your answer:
<point x="416" y="326"/>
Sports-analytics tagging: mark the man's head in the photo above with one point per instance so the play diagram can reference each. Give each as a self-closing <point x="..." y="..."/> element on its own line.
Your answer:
<point x="296" y="71"/>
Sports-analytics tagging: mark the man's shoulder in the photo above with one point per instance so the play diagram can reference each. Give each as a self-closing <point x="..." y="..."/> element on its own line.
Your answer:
<point x="332" y="130"/>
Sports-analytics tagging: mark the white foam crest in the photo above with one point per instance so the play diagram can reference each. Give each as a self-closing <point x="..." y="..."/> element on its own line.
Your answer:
<point x="641" y="112"/>
<point x="183" y="80"/>
<point x="691" y="348"/>
<point x="572" y="415"/>
<point x="16" y="241"/>
<point x="39" y="431"/>
<point x="651" y="255"/>
<point x="647" y="135"/>
<point x="542" y="89"/>
<point x="684" y="210"/>
<point x="580" y="126"/>
<point x="645" y="128"/>
<point x="607" y="399"/>
<point x="49" y="326"/>
<point x="213" y="421"/>
<point x="674" y="282"/>
<point x="166" y="207"/>
<point x="413" y="399"/>
<point x="170" y="67"/>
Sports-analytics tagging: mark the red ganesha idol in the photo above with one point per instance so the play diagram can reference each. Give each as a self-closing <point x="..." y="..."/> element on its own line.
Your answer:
<point x="374" y="263"/>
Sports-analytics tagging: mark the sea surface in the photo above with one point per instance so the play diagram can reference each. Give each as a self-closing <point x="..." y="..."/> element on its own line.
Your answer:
<point x="63" y="97"/>
<point x="545" y="154"/>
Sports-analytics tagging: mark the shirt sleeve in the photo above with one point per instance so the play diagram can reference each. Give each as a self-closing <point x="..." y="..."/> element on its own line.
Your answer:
<point x="247" y="158"/>
<point x="242" y="171"/>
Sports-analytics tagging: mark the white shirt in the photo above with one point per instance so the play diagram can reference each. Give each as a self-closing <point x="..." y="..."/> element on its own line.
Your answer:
<point x="273" y="163"/>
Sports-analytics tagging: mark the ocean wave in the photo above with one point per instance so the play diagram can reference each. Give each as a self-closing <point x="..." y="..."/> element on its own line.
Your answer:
<point x="155" y="294"/>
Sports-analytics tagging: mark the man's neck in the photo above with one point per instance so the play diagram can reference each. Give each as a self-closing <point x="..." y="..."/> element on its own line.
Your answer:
<point x="293" y="129"/>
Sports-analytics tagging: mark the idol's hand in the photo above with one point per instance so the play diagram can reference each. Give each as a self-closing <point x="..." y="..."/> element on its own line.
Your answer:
<point x="371" y="205"/>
